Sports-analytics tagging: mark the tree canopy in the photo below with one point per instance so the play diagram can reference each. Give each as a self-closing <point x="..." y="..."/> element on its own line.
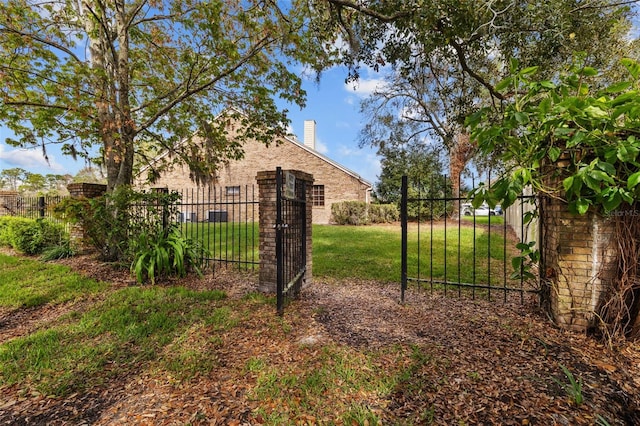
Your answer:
<point x="443" y="58"/>
<point x="131" y="78"/>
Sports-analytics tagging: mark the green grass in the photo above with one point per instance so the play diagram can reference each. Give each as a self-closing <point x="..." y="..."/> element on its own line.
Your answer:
<point x="373" y="252"/>
<point x="484" y="220"/>
<point x="132" y="326"/>
<point x="26" y="282"/>
<point x="226" y="240"/>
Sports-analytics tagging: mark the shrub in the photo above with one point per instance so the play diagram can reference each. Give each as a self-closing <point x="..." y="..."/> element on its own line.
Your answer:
<point x="383" y="213"/>
<point x="30" y="236"/>
<point x="114" y="221"/>
<point x="361" y="213"/>
<point x="350" y="213"/>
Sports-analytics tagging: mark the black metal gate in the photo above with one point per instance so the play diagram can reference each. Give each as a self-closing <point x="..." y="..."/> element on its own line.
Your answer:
<point x="291" y="236"/>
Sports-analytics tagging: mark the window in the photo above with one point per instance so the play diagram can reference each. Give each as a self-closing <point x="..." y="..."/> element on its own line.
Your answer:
<point x="232" y="190"/>
<point x="318" y="195"/>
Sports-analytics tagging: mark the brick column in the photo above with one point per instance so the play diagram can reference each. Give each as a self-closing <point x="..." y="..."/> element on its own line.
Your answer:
<point x="267" y="220"/>
<point x="579" y="261"/>
<point x="77" y="234"/>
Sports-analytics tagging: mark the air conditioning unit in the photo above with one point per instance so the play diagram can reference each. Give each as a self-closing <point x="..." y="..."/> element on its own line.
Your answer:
<point x="184" y="217"/>
<point x="217" y="215"/>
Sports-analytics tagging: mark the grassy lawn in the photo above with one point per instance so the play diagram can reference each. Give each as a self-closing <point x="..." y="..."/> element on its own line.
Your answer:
<point x="226" y="240"/>
<point x="27" y="282"/>
<point x="373" y="252"/>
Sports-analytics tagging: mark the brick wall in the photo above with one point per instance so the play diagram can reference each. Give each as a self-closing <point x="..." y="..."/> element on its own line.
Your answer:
<point x="339" y="185"/>
<point x="579" y="256"/>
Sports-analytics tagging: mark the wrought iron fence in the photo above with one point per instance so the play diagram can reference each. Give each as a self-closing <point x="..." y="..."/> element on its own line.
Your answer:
<point x="449" y="245"/>
<point x="32" y="207"/>
<point x="225" y="221"/>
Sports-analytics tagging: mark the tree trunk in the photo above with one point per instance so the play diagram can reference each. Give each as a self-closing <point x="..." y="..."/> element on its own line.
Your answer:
<point x="459" y="155"/>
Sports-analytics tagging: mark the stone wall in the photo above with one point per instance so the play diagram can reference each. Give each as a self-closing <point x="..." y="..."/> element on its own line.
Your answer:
<point x="267" y="189"/>
<point x="578" y="260"/>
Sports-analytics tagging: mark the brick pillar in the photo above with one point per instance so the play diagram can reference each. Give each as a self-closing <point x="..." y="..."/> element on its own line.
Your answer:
<point x="77" y="233"/>
<point x="579" y="261"/>
<point x="267" y="221"/>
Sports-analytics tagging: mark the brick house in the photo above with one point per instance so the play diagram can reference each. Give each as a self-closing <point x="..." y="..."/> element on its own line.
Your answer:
<point x="332" y="182"/>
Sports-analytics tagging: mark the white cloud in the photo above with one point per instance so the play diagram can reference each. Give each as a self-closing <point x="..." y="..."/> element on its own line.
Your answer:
<point x="31" y="159"/>
<point x="365" y="87"/>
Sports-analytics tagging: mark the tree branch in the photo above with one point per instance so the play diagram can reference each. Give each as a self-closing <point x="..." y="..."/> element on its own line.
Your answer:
<point x="37" y="38"/>
<point x="370" y="12"/>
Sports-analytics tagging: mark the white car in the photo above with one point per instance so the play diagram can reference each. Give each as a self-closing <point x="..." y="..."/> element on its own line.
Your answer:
<point x="484" y="210"/>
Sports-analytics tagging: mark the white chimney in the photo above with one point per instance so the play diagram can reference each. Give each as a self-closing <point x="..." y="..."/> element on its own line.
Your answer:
<point x="310" y="134"/>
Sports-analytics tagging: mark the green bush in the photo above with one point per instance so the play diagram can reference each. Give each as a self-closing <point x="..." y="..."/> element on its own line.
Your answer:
<point x="350" y="213"/>
<point x="383" y="213"/>
<point x="114" y="221"/>
<point x="30" y="236"/>
<point x="361" y="213"/>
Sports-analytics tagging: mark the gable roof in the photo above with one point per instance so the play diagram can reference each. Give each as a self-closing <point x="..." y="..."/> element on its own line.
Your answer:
<point x="328" y="160"/>
<point x="288" y="139"/>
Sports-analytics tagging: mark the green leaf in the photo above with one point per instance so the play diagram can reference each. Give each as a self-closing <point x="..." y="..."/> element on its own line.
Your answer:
<point x="589" y="71"/>
<point x="595" y="112"/>
<point x="521" y="117"/>
<point x="516" y="262"/>
<point x="618" y="87"/>
<point x="568" y="183"/>
<point x="529" y="71"/>
<point x="632" y="66"/>
<point x="582" y="205"/>
<point x="633" y="180"/>
<point x="554" y="153"/>
<point x="612" y="201"/>
<point x="576" y="139"/>
<point x="504" y="83"/>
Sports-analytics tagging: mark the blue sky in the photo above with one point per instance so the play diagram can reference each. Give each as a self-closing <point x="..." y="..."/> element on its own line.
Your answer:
<point x="333" y="104"/>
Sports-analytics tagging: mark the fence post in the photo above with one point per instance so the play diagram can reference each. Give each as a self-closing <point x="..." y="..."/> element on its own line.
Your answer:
<point x="78" y="232"/>
<point x="404" y="220"/>
<point x="267" y="223"/>
<point x="41" y="206"/>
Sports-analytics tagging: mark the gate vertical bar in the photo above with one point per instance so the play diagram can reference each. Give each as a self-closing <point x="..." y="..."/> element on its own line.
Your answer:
<point x="403" y="219"/>
<point x="279" y="241"/>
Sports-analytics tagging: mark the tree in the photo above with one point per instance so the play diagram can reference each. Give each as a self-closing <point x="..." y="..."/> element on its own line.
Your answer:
<point x="446" y="56"/>
<point x="577" y="142"/>
<point x="57" y="184"/>
<point x="123" y="74"/>
<point x="425" y="106"/>
<point x="477" y="36"/>
<point x="33" y="183"/>
<point x="89" y="175"/>
<point x="421" y="166"/>
<point x="12" y="178"/>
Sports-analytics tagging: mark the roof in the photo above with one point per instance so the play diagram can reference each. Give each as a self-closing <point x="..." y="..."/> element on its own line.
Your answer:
<point x="328" y="160"/>
<point x="299" y="145"/>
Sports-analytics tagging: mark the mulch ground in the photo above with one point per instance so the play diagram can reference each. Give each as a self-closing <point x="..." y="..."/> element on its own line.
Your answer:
<point x="490" y="363"/>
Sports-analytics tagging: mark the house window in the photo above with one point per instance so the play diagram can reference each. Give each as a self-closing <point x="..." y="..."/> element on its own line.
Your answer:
<point x="232" y="190"/>
<point x="318" y="195"/>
